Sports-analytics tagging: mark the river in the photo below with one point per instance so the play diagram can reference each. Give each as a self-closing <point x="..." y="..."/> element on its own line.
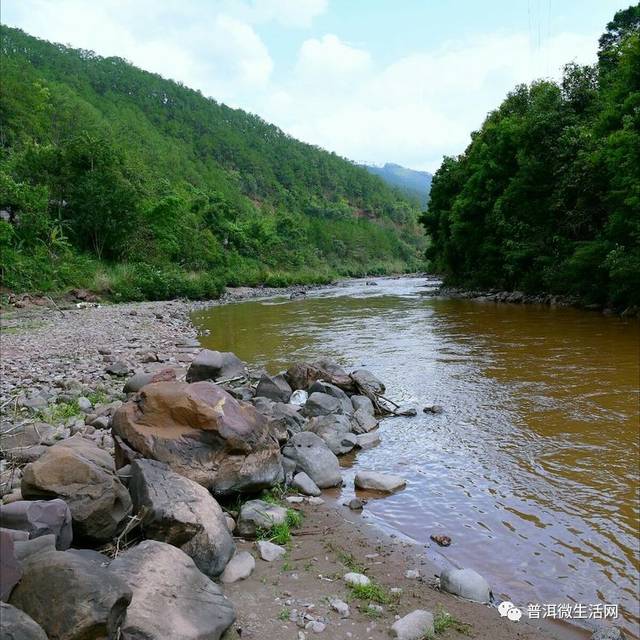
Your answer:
<point x="532" y="468"/>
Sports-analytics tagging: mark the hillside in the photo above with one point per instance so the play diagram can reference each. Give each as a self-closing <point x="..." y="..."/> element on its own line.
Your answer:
<point x="415" y="184"/>
<point x="546" y="198"/>
<point x="120" y="180"/>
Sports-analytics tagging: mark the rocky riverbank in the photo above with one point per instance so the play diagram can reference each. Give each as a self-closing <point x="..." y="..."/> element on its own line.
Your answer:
<point x="169" y="491"/>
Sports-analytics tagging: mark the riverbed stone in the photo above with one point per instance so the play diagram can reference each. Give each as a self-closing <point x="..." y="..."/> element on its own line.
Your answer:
<point x="38" y="518"/>
<point x="203" y="433"/>
<point x="215" y="365"/>
<point x="363" y="421"/>
<point x="368" y="440"/>
<point x="414" y="626"/>
<point x="94" y="602"/>
<point x="465" y="583"/>
<point x="119" y="368"/>
<point x="84" y="476"/>
<point x="258" y="514"/>
<point x="25" y="548"/>
<point x="10" y="568"/>
<point x="171" y="597"/>
<point x="362" y="402"/>
<point x="181" y="512"/>
<point x="356" y="579"/>
<point x="367" y="381"/>
<point x="269" y="551"/>
<point x="240" y="567"/>
<point x="299" y="397"/>
<point x="275" y="388"/>
<point x="312" y="456"/>
<point x="374" y="481"/>
<point x="17" y="625"/>
<point x="302" y="375"/>
<point x="303" y="483"/>
<point x="143" y="378"/>
<point x="26" y="435"/>
<point x="329" y="389"/>
<point x="321" y="404"/>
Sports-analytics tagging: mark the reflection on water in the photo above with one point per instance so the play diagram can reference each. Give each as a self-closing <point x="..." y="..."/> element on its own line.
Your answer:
<point x="533" y="467"/>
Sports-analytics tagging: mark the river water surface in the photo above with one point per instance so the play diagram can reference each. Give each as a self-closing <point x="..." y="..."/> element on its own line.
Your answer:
<point x="532" y="468"/>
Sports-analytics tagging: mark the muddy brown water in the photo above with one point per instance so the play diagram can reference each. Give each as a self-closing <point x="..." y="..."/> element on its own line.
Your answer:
<point x="532" y="468"/>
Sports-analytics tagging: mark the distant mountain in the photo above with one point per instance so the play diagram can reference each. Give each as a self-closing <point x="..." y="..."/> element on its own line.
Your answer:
<point x="416" y="184"/>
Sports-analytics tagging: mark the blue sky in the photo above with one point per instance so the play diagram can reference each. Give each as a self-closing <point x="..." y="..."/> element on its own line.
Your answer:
<point x="376" y="81"/>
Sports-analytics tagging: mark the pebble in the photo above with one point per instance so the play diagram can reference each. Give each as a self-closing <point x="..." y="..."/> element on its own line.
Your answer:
<point x="341" y="607"/>
<point x="316" y="501"/>
<point x="411" y="574"/>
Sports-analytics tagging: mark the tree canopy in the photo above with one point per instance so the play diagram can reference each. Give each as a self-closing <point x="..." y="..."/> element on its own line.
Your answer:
<point x="546" y="198"/>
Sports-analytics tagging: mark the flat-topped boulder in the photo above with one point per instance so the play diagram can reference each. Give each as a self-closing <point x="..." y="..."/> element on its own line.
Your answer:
<point x="39" y="518"/>
<point x="202" y="433"/>
<point x="374" y="481"/>
<point x="215" y="365"/>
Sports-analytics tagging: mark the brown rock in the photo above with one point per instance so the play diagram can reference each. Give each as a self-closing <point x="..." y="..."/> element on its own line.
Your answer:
<point x="84" y="476"/>
<point x="203" y="433"/>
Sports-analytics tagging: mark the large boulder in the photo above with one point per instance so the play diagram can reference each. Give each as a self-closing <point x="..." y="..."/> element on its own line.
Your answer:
<point x="143" y="378"/>
<point x="71" y="598"/>
<point x="215" y="365"/>
<point x="363" y="402"/>
<point x="312" y="456"/>
<point x="322" y="404"/>
<point x="84" y="476"/>
<point x="203" y="433"/>
<point x="10" y="568"/>
<point x="363" y="421"/>
<point x="275" y="388"/>
<point x="465" y="583"/>
<point x="39" y="518"/>
<point x="26" y="435"/>
<point x="181" y="512"/>
<point x="171" y="597"/>
<point x="17" y="625"/>
<point x="258" y="514"/>
<point x="416" y="625"/>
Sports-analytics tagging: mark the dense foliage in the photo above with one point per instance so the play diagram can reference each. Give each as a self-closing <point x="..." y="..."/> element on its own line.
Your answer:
<point x="119" y="180"/>
<point x="546" y="198"/>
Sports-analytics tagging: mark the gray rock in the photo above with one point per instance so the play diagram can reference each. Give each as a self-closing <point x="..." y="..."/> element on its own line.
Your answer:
<point x="274" y="388"/>
<point x="331" y="390"/>
<point x="341" y="443"/>
<point x="322" y="404"/>
<point x="363" y="421"/>
<point x="171" y="597"/>
<point x="93" y="557"/>
<point x="240" y="567"/>
<point x="329" y="425"/>
<point x="137" y="381"/>
<point x="303" y="483"/>
<point x="40" y="518"/>
<point x="17" y="625"/>
<point x="258" y="514"/>
<point x="312" y="456"/>
<point x="315" y="501"/>
<point x="368" y="381"/>
<point x="414" y="626"/>
<point x="269" y="551"/>
<point x="215" y="365"/>
<point x="465" y="583"/>
<point x="341" y="607"/>
<point x="182" y="513"/>
<point x="10" y="568"/>
<point x="435" y="409"/>
<point x="101" y="422"/>
<point x="118" y="368"/>
<point x="84" y="404"/>
<point x="94" y="602"/>
<point x="26" y="548"/>
<point x="374" y="481"/>
<point x="84" y="476"/>
<point x="27" y="435"/>
<point x="15" y="534"/>
<point x="368" y="440"/>
<point x="355" y="504"/>
<point x="362" y="402"/>
<point x="356" y="579"/>
<point x="409" y="411"/>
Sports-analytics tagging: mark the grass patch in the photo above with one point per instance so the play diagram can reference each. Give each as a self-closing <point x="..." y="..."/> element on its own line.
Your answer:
<point x="443" y="620"/>
<point x="284" y="614"/>
<point x="372" y="592"/>
<point x="60" y="412"/>
<point x="280" y="533"/>
<point x="97" y="397"/>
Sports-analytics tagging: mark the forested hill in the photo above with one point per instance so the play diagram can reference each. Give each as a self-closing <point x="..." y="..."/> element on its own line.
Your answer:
<point x="115" y="178"/>
<point x="416" y="184"/>
<point x="546" y="198"/>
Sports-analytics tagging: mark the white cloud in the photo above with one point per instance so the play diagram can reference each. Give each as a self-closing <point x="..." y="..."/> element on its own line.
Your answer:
<point x="329" y="56"/>
<point x="289" y="13"/>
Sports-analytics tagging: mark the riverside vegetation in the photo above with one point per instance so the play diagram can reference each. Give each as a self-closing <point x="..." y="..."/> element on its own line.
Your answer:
<point x="546" y="198"/>
<point x="122" y="182"/>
